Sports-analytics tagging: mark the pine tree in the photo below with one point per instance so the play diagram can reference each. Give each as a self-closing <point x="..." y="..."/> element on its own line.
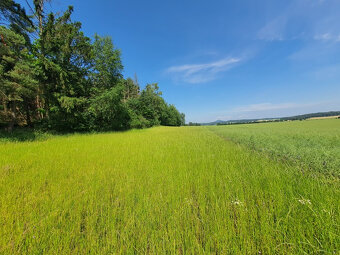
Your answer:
<point x="18" y="85"/>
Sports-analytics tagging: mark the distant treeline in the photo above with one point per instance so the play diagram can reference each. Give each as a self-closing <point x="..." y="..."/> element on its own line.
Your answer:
<point x="247" y="122"/>
<point x="54" y="77"/>
<point x="297" y="117"/>
<point x="194" y="124"/>
<point x="312" y="115"/>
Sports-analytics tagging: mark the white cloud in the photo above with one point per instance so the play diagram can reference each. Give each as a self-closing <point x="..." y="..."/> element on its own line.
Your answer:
<point x="200" y="73"/>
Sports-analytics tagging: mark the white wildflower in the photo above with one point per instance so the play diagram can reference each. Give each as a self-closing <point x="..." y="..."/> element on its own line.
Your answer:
<point x="237" y="202"/>
<point x="305" y="201"/>
<point x="188" y="201"/>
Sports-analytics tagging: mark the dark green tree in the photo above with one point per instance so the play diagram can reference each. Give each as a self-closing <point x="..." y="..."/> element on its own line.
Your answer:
<point x="171" y="116"/>
<point x="182" y="119"/>
<point x="12" y="14"/>
<point x="107" y="110"/>
<point x="131" y="89"/>
<point x="151" y="104"/>
<point x="15" y="17"/>
<point x="65" y="58"/>
<point x="18" y="85"/>
<point x="108" y="67"/>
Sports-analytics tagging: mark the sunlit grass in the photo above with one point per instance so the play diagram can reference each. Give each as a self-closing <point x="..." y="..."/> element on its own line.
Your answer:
<point x="313" y="144"/>
<point x="162" y="190"/>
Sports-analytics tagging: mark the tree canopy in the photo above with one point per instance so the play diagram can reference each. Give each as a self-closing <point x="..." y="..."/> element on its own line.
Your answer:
<point x="66" y="81"/>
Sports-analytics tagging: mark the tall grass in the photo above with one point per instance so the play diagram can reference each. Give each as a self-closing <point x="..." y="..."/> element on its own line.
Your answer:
<point x="313" y="144"/>
<point x="162" y="190"/>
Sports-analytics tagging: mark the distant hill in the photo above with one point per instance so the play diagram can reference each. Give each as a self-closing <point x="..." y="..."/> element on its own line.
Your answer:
<point x="297" y="117"/>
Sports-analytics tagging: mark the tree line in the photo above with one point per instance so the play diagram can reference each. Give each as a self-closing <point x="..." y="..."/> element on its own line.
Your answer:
<point x="54" y="77"/>
<point x="267" y="120"/>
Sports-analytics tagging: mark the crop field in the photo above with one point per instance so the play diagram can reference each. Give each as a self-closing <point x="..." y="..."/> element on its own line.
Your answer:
<point x="243" y="189"/>
<point x="313" y="144"/>
<point x="327" y="117"/>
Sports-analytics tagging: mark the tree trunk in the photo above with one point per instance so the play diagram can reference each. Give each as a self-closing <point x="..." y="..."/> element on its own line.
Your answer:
<point x="3" y="40"/>
<point x="40" y="9"/>
<point x="28" y="116"/>
<point x="13" y="117"/>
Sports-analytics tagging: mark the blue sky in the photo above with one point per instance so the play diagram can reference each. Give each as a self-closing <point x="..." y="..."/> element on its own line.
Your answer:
<point x="226" y="59"/>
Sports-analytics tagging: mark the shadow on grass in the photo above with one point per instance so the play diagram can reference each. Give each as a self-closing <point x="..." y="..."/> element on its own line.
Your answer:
<point x="24" y="135"/>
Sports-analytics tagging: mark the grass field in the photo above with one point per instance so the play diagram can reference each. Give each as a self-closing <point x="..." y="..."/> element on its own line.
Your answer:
<point x="313" y="144"/>
<point x="184" y="190"/>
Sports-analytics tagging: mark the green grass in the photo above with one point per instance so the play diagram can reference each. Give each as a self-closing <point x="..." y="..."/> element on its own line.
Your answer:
<point x="313" y="144"/>
<point x="162" y="190"/>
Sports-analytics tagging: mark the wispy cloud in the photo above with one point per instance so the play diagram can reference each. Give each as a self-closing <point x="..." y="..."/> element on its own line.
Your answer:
<point x="273" y="30"/>
<point x="200" y="73"/>
<point x="303" y="19"/>
<point x="270" y="110"/>
<point x="328" y="37"/>
<point x="326" y="73"/>
<point x="266" y="110"/>
<point x="265" y="107"/>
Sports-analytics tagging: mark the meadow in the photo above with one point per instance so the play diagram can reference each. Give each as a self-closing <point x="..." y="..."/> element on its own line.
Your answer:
<point x="170" y="190"/>
<point x="312" y="144"/>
